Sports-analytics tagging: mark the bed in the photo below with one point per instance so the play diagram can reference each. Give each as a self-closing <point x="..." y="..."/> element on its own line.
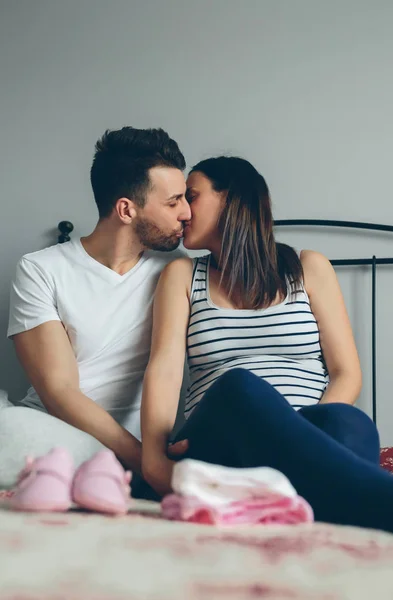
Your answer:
<point x="81" y="556"/>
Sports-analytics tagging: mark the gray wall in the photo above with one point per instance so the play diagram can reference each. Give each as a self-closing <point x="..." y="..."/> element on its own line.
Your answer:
<point x="303" y="88"/>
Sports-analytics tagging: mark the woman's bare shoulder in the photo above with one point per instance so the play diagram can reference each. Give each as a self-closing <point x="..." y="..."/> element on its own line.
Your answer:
<point x="177" y="275"/>
<point x="317" y="269"/>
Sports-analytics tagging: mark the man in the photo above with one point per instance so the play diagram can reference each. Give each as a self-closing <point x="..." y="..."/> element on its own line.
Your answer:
<point x="81" y="312"/>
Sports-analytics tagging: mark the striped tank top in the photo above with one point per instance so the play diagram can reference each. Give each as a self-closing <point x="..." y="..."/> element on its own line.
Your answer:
<point x="279" y="344"/>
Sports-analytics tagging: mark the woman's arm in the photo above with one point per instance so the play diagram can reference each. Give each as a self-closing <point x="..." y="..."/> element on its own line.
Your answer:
<point x="164" y="374"/>
<point x="337" y="342"/>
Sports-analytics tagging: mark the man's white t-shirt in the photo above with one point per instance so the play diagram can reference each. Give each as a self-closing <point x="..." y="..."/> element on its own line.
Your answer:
<point x="107" y="316"/>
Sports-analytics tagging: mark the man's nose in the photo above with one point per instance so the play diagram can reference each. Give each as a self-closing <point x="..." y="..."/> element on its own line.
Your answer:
<point x="185" y="213"/>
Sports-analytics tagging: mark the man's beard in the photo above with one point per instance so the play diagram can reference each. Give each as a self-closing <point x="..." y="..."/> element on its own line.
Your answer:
<point x="154" y="238"/>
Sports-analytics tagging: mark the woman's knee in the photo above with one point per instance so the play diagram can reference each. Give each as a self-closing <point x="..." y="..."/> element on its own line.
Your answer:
<point x="228" y="385"/>
<point x="341" y="414"/>
<point x="236" y="377"/>
<point x="348" y="425"/>
<point x="360" y="423"/>
<point x="338" y="414"/>
<point x="240" y="390"/>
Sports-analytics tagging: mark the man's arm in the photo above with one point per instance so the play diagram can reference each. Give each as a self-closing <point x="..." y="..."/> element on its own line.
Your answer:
<point x="46" y="355"/>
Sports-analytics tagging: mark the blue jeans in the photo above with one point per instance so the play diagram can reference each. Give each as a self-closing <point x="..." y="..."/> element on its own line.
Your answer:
<point x="329" y="452"/>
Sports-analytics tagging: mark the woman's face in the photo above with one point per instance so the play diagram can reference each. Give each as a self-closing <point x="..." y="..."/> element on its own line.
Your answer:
<point x="201" y="233"/>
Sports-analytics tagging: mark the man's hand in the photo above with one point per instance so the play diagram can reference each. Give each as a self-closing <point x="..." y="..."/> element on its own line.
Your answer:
<point x="177" y="450"/>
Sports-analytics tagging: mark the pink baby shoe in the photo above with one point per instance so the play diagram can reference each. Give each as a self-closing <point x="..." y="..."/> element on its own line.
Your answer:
<point x="101" y="485"/>
<point x="44" y="485"/>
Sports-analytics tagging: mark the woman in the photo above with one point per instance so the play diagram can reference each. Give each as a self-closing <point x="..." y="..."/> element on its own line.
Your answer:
<point x="273" y="364"/>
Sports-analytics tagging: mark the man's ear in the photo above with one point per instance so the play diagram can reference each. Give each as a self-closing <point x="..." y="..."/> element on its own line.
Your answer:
<point x="126" y="210"/>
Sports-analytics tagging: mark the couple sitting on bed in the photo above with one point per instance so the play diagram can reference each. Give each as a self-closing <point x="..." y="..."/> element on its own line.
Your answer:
<point x="274" y="371"/>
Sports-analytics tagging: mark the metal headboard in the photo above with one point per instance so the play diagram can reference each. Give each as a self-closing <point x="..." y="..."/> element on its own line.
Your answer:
<point x="65" y="228"/>
<point x="373" y="262"/>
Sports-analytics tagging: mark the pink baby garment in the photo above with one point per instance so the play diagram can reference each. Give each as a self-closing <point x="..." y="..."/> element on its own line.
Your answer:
<point x="216" y="495"/>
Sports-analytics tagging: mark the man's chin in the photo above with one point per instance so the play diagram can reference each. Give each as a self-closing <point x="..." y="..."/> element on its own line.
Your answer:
<point x="167" y="246"/>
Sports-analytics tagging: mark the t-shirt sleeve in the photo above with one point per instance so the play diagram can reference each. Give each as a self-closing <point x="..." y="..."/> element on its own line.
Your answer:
<point x="32" y="300"/>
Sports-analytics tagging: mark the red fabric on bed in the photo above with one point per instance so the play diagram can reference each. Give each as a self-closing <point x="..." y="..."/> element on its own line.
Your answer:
<point x="386" y="457"/>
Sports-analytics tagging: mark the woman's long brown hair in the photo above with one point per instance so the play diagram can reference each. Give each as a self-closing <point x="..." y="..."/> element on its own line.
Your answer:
<point x="255" y="268"/>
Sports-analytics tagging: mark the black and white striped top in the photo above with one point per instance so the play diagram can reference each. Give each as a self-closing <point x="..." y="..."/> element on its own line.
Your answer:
<point x="280" y="344"/>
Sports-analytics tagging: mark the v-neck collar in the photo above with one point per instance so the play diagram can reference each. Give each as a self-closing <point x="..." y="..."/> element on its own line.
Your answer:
<point x="104" y="271"/>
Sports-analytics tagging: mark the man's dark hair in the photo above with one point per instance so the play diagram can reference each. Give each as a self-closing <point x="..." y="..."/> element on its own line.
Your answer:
<point x="122" y="161"/>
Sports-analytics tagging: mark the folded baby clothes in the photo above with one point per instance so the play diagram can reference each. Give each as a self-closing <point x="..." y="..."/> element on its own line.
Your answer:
<point x="217" y="495"/>
<point x="218" y="485"/>
<point x="280" y="510"/>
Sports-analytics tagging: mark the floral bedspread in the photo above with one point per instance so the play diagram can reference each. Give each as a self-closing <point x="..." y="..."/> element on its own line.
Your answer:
<point x="81" y="556"/>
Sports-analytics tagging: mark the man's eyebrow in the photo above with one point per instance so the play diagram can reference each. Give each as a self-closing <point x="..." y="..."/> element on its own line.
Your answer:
<point x="175" y="197"/>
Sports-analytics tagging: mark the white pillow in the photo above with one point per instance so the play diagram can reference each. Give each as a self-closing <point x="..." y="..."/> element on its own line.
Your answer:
<point x="4" y="402"/>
